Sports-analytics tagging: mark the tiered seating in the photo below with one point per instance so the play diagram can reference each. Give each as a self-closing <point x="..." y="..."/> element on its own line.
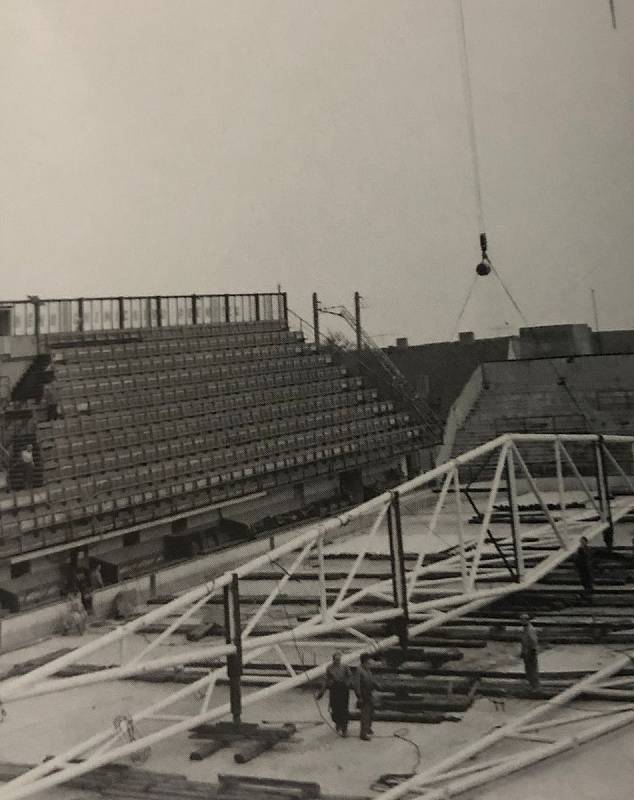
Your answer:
<point x="584" y="394"/>
<point x="166" y="421"/>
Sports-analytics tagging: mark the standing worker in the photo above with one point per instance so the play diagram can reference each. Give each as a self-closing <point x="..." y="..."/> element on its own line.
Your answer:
<point x="49" y="398"/>
<point x="365" y="686"/>
<point x="529" y="652"/>
<point x="583" y="561"/>
<point x="28" y="466"/>
<point x="337" y="681"/>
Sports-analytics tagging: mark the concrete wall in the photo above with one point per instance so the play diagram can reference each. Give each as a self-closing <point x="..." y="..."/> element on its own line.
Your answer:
<point x="447" y="365"/>
<point x="556" y="340"/>
<point x="458" y="414"/>
<point x="17" y="630"/>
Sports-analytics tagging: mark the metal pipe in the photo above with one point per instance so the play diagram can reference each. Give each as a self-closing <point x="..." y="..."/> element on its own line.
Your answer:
<point x="484" y="742"/>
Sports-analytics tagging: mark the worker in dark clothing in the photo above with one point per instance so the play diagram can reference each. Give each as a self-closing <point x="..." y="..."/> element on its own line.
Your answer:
<point x="49" y="399"/>
<point x="337" y="682"/>
<point x="28" y="466"/>
<point x="364" y="687"/>
<point x="529" y="652"/>
<point x="583" y="560"/>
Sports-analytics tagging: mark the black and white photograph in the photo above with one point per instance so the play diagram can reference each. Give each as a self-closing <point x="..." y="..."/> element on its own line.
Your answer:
<point x="316" y="399"/>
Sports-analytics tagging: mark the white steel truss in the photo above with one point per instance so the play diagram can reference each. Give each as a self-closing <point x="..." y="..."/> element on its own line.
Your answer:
<point x="414" y="597"/>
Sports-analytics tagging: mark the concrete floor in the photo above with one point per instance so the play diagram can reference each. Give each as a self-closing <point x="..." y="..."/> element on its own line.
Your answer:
<point x="38" y="727"/>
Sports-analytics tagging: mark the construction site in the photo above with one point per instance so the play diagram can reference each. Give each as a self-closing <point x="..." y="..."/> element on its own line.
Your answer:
<point x="212" y="692"/>
<point x="255" y="545"/>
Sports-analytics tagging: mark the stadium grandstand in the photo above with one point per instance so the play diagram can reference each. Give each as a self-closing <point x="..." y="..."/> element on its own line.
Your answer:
<point x="165" y="428"/>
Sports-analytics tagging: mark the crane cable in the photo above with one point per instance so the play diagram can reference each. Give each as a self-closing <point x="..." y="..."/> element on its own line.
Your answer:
<point x="477" y="187"/>
<point x="468" y="98"/>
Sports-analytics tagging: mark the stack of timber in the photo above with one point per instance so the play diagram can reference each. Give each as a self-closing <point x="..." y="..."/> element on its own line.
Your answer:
<point x="122" y="782"/>
<point x="250" y="739"/>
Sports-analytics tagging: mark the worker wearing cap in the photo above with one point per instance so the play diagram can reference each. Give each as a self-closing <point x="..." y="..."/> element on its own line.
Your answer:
<point x="529" y="652"/>
<point x="365" y="685"/>
<point x="337" y="682"/>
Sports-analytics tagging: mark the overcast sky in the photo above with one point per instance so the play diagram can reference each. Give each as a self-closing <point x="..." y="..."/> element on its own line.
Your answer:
<point x="177" y="146"/>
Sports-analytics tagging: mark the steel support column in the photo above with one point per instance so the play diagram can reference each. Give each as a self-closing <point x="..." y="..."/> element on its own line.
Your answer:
<point x="603" y="492"/>
<point x="397" y="562"/>
<point x="233" y="635"/>
<point x="511" y="492"/>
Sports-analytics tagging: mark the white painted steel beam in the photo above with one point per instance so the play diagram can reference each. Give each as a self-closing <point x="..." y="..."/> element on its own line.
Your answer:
<point x="453" y="598"/>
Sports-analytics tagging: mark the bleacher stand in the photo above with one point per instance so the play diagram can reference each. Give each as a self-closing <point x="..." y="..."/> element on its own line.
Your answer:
<point x="156" y="423"/>
<point x="576" y="394"/>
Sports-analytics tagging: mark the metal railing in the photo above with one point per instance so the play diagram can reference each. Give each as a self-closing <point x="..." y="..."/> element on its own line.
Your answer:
<point x="371" y="356"/>
<point x="42" y="317"/>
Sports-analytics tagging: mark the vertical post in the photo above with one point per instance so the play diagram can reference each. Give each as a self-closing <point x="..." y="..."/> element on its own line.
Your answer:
<point x="194" y="311"/>
<point x="159" y="318"/>
<point x="121" y="313"/>
<point x="357" y="320"/>
<point x="227" y="309"/>
<point x="461" y="542"/>
<point x="561" y="489"/>
<point x="285" y="309"/>
<point x="257" y="307"/>
<point x="397" y="561"/>
<point x="323" y="599"/>
<point x="316" y="319"/>
<point x="511" y="491"/>
<point x="603" y="492"/>
<point x="596" y="321"/>
<point x="80" y="314"/>
<point x="233" y="635"/>
<point x="36" y="322"/>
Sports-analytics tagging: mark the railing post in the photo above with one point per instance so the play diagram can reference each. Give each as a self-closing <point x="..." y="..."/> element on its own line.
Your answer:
<point x="397" y="562"/>
<point x="227" y="309"/>
<point x="36" y="322"/>
<point x="603" y="492"/>
<point x="121" y="313"/>
<point x="316" y="319"/>
<point x="194" y="311"/>
<point x="257" y="307"/>
<point x="80" y="314"/>
<point x="511" y="492"/>
<point x="285" y="309"/>
<point x="233" y="635"/>
<point x="159" y="318"/>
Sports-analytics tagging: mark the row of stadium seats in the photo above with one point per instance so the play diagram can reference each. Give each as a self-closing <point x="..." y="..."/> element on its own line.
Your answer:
<point x="131" y="382"/>
<point x="143" y="496"/>
<point x="165" y="346"/>
<point x="282" y="389"/>
<point x="241" y="408"/>
<point x="210" y="447"/>
<point x="115" y="335"/>
<point x="234" y="425"/>
<point x="288" y="375"/>
<point x="113" y="366"/>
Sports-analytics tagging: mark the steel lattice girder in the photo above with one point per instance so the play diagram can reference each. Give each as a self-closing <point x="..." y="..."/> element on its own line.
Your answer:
<point x="460" y="596"/>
